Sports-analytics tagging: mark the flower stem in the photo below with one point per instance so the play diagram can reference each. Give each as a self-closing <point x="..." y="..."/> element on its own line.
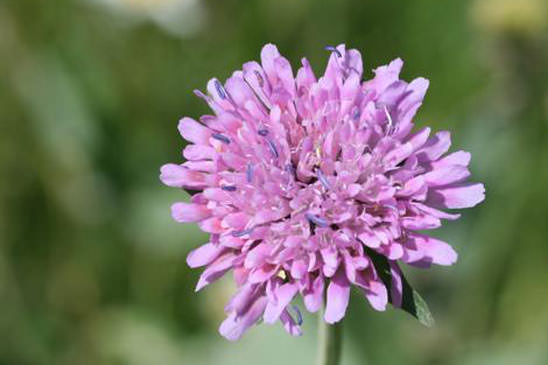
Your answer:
<point x="329" y="342"/>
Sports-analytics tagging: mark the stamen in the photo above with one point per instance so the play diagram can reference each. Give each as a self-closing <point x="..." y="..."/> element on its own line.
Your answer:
<point x="395" y="209"/>
<point x="322" y="179"/>
<point x="333" y="49"/>
<point x="203" y="96"/>
<point x="318" y="151"/>
<point x="282" y="275"/>
<point x="228" y="188"/>
<point x="298" y="313"/>
<point x="249" y="172"/>
<point x="221" y="137"/>
<point x="320" y="222"/>
<point x="389" y="128"/>
<point x="263" y="132"/>
<point x="220" y="90"/>
<point x="354" y="69"/>
<point x="260" y="79"/>
<point x="241" y="233"/>
<point x="264" y="103"/>
<point x="272" y="148"/>
<point x="290" y="168"/>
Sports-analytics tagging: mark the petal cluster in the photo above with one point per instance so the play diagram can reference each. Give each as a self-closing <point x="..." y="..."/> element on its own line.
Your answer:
<point x="296" y="178"/>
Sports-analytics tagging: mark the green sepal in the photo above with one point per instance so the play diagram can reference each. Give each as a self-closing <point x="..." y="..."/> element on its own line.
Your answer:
<point x="412" y="302"/>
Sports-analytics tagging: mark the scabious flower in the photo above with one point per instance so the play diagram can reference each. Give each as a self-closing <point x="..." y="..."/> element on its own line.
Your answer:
<point x="298" y="178"/>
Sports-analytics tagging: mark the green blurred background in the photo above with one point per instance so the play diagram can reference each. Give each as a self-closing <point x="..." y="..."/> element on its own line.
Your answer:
<point x="92" y="268"/>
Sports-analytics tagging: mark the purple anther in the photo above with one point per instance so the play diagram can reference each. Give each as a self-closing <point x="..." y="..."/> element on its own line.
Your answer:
<point x="249" y="172"/>
<point x="333" y="49"/>
<point x="201" y="95"/>
<point x="322" y="178"/>
<point x="260" y="79"/>
<point x="241" y="233"/>
<point x="221" y="137"/>
<point x="320" y="222"/>
<point x="220" y="89"/>
<point x="272" y="148"/>
<point x="298" y="314"/>
<point x="290" y="168"/>
<point x="228" y="188"/>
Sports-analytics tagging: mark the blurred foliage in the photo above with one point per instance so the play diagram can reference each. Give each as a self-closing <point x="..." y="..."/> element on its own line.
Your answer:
<point x="92" y="268"/>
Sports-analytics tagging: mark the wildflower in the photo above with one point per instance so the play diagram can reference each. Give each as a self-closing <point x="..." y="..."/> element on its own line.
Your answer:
<point x="300" y="181"/>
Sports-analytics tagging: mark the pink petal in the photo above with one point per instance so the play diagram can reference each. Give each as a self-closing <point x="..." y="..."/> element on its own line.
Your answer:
<point x="458" y="196"/>
<point x="373" y="288"/>
<point x="419" y="138"/>
<point x="330" y="260"/>
<point x="203" y="255"/>
<point x="185" y="212"/>
<point x="338" y="294"/>
<point x="349" y="268"/>
<point x="434" y="212"/>
<point x="217" y="194"/>
<point x="234" y="326"/>
<point x="435" y="147"/>
<point x="178" y="176"/>
<point x="392" y="94"/>
<point x="219" y="95"/>
<point x="283" y="69"/>
<point x="238" y="89"/>
<point x="257" y="255"/>
<point x="298" y="269"/>
<point x="377" y="295"/>
<point x="353" y="61"/>
<point x="199" y="152"/>
<point x="415" y="187"/>
<point x="313" y="297"/>
<point x="204" y="166"/>
<point x="290" y="325"/>
<point x="436" y="251"/>
<point x="305" y="75"/>
<point x="193" y="131"/>
<point x="237" y="220"/>
<point x="420" y="222"/>
<point x="269" y="54"/>
<point x="411" y="254"/>
<point x="255" y="77"/>
<point x="459" y="158"/>
<point x="409" y="106"/>
<point x="386" y="75"/>
<point x="241" y="301"/>
<point x="211" y="225"/>
<point x="229" y="122"/>
<point x="234" y="160"/>
<point x="446" y="175"/>
<point x="394" y="251"/>
<point x="262" y="273"/>
<point x="284" y="294"/>
<point x="216" y="270"/>
<point x="398" y="154"/>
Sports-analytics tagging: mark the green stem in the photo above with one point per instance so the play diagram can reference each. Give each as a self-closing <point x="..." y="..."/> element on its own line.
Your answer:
<point x="329" y="342"/>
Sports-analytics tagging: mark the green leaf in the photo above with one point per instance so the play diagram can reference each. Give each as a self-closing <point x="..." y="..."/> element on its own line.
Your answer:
<point x="412" y="302"/>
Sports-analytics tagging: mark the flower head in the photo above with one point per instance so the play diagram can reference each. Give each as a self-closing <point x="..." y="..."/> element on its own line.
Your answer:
<point x="299" y="179"/>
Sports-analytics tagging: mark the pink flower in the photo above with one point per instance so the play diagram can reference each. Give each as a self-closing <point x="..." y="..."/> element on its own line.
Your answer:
<point x="299" y="179"/>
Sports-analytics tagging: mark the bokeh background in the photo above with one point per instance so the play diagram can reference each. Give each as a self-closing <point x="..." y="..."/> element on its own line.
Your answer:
<point x="92" y="268"/>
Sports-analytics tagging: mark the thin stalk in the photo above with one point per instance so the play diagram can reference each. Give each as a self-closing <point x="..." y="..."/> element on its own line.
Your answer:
<point x="329" y="342"/>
